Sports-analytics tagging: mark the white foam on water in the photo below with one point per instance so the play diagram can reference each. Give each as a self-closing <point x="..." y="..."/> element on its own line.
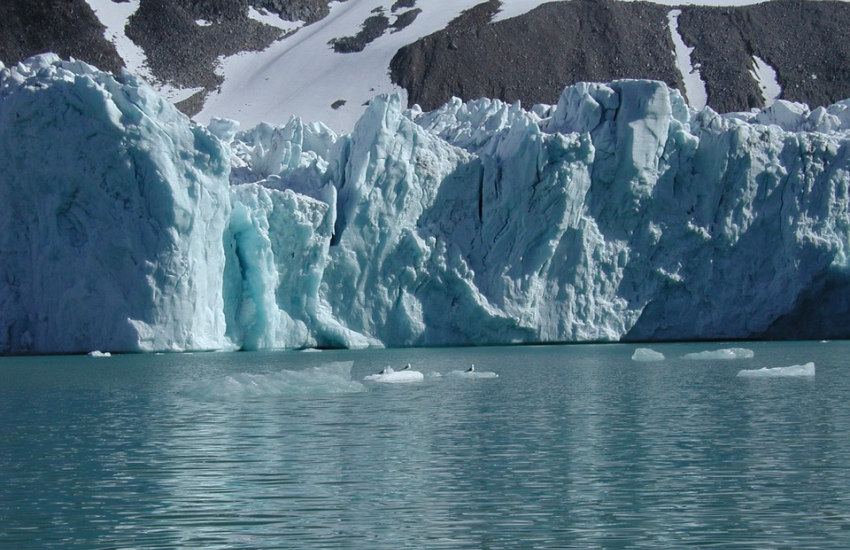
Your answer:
<point x="330" y="378"/>
<point x="646" y="355"/>
<point x="721" y="354"/>
<point x="806" y="370"/>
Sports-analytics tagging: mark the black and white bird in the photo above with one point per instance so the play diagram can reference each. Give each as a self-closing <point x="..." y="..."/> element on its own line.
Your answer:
<point x="471" y="369"/>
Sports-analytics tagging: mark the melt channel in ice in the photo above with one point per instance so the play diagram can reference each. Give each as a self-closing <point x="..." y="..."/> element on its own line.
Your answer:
<point x="619" y="213"/>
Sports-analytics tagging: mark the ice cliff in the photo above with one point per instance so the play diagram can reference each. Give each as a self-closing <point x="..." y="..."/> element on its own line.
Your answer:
<point x="618" y="213"/>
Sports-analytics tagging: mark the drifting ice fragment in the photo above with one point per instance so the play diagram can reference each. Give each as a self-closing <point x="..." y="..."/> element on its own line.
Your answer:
<point x="721" y="354"/>
<point x="323" y="380"/>
<point x="389" y="376"/>
<point x="794" y="370"/>
<point x="646" y="355"/>
<point x="471" y="374"/>
<point x="97" y="353"/>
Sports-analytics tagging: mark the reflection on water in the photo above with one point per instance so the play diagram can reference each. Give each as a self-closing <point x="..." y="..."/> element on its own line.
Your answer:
<point x="575" y="446"/>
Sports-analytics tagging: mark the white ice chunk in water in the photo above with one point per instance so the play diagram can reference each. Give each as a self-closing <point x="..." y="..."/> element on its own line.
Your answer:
<point x="721" y="354"/>
<point x="330" y="378"/>
<point x="779" y="372"/>
<point x="389" y="376"/>
<point x="98" y="353"/>
<point x="646" y="355"/>
<point x="471" y="374"/>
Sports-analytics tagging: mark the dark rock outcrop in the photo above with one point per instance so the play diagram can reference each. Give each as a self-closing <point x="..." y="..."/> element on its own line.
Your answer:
<point x="533" y="57"/>
<point x="66" y="27"/>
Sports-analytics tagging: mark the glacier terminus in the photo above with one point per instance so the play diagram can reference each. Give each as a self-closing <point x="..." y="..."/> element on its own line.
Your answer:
<point x="620" y="213"/>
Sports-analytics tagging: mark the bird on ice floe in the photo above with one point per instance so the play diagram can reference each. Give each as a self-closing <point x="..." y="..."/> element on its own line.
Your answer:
<point x="471" y="369"/>
<point x="407" y="367"/>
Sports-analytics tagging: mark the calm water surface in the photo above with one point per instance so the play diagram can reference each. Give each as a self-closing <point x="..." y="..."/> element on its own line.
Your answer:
<point x="570" y="447"/>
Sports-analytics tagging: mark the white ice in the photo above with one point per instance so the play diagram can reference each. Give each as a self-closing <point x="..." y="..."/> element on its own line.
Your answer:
<point x="647" y="355"/>
<point x="471" y="374"/>
<point x="780" y="372"/>
<point x="330" y="378"/>
<point x="390" y="376"/>
<point x="765" y="76"/>
<point x="721" y="354"/>
<point x="694" y="85"/>
<point x="98" y="353"/>
<point x="145" y="232"/>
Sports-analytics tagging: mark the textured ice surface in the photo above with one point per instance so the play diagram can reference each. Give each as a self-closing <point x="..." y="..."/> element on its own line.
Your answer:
<point x="112" y="210"/>
<point x="471" y="375"/>
<point x="647" y="355"/>
<point x="98" y="353"/>
<point x="721" y="354"/>
<point x="396" y="377"/>
<point x="330" y="378"/>
<point x="779" y="372"/>
<point x="617" y="213"/>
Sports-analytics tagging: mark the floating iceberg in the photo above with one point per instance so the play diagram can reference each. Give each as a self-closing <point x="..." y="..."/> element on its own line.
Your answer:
<point x="98" y="353"/>
<point x="471" y="374"/>
<point x="647" y="355"/>
<point x="778" y="372"/>
<point x="390" y="376"/>
<point x="609" y="216"/>
<point x="721" y="354"/>
<point x="331" y="378"/>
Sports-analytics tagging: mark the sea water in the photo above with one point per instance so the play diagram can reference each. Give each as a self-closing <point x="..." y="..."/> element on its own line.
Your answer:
<point x="563" y="447"/>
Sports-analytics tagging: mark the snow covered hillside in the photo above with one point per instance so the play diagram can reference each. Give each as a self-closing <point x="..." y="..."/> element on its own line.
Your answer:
<point x="619" y="213"/>
<point x="321" y="60"/>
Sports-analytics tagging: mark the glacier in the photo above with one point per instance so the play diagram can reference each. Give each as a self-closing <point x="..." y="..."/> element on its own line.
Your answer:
<point x="618" y="214"/>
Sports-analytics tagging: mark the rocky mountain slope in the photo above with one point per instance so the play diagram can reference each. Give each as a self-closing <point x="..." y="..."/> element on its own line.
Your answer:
<point x="323" y="61"/>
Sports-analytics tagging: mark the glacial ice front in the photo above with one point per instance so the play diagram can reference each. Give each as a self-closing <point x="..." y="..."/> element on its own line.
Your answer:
<point x="617" y="214"/>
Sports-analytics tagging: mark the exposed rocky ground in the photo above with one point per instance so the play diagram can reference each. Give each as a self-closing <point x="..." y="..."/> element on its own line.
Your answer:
<point x="531" y="57"/>
<point x="66" y="27"/>
<point x="808" y="43"/>
<point x="534" y="56"/>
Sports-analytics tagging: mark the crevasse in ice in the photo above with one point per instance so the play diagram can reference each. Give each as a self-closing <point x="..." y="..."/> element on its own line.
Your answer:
<point x="618" y="213"/>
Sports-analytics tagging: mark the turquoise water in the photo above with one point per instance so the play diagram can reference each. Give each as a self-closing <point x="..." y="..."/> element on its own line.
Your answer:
<point x="570" y="447"/>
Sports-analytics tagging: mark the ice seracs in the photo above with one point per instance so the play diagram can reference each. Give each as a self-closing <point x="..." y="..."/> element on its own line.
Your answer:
<point x="619" y="213"/>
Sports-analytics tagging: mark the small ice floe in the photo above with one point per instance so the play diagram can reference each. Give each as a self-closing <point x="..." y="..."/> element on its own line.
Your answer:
<point x="98" y="353"/>
<point x="780" y="372"/>
<point x="388" y="375"/>
<point x="471" y="373"/>
<point x="646" y="355"/>
<point x="310" y="350"/>
<point x="330" y="378"/>
<point x="721" y="354"/>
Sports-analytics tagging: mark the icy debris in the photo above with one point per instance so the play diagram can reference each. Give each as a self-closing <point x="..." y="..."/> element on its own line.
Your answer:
<point x="98" y="353"/>
<point x="721" y="354"/>
<point x="390" y="376"/>
<point x="647" y="355"/>
<point x="330" y="378"/>
<point x="778" y="372"/>
<point x="471" y="374"/>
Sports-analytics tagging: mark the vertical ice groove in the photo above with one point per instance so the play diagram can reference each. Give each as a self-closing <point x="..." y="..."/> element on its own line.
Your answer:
<point x="694" y="85"/>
